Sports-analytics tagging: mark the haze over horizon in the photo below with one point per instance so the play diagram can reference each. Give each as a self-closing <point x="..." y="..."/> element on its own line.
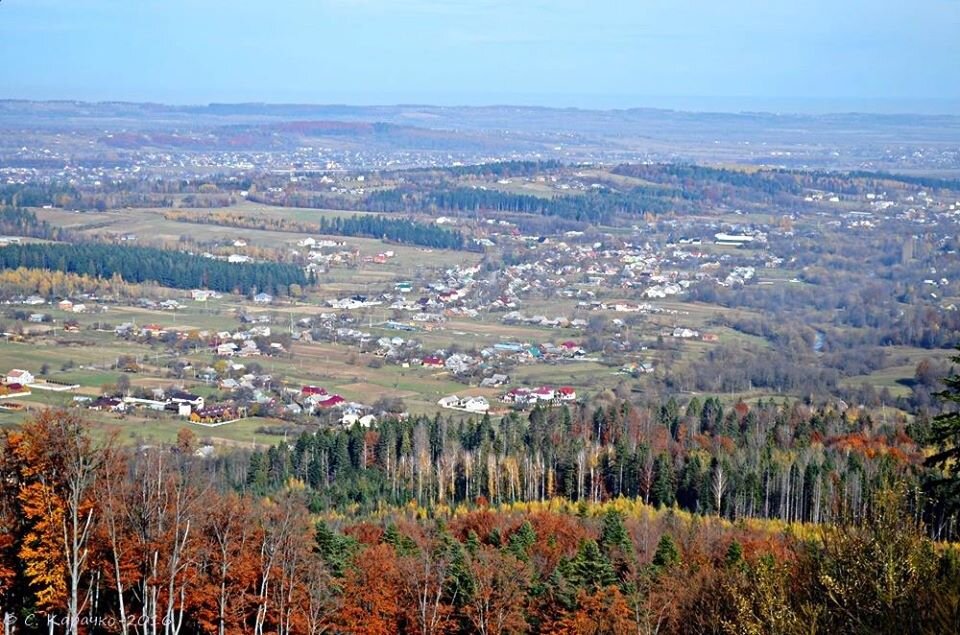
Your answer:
<point x="690" y="55"/>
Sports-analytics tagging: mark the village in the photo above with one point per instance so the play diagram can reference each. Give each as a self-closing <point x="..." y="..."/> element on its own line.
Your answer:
<point x="524" y="315"/>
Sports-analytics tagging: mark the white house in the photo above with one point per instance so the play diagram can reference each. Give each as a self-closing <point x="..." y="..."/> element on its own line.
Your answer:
<point x="18" y="376"/>
<point x="451" y="401"/>
<point x="476" y="404"/>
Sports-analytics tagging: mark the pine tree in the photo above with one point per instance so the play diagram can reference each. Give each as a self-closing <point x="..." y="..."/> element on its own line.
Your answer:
<point x="335" y="550"/>
<point x="590" y="569"/>
<point x="521" y="541"/>
<point x="613" y="535"/>
<point x="664" y="482"/>
<point x="667" y="553"/>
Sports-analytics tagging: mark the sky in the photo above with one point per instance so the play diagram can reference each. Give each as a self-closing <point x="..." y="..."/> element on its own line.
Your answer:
<point x="841" y="55"/>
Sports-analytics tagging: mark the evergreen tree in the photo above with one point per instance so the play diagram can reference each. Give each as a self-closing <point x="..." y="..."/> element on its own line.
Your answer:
<point x="335" y="549"/>
<point x="613" y="535"/>
<point x="667" y="553"/>
<point x="590" y="569"/>
<point x="521" y="541"/>
<point x="943" y="487"/>
<point x="663" y="492"/>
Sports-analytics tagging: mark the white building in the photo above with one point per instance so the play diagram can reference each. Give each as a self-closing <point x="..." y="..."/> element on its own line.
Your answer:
<point x="18" y="376"/>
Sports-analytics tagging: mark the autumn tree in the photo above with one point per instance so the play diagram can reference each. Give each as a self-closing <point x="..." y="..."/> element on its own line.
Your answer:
<point x="60" y="468"/>
<point x="371" y="593"/>
<point x="498" y="591"/>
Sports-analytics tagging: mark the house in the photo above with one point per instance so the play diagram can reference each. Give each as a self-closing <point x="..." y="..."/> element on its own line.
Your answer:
<point x="567" y="393"/>
<point x="149" y="404"/>
<point x="226" y="350"/>
<point x="249" y="348"/>
<point x="544" y="393"/>
<point x="519" y="396"/>
<point x="238" y="258"/>
<point x="108" y="404"/>
<point x="331" y="401"/>
<point x="34" y="300"/>
<point x="263" y="298"/>
<point x="494" y="380"/>
<point x="432" y="361"/>
<point x="13" y="390"/>
<point x="638" y="368"/>
<point x="732" y="240"/>
<point x="475" y="404"/>
<point x="451" y="401"/>
<point x="180" y="397"/>
<point x="153" y="330"/>
<point x="18" y="376"/>
<point x="37" y="318"/>
<point x="65" y="305"/>
<point x="306" y="391"/>
<point x="350" y="418"/>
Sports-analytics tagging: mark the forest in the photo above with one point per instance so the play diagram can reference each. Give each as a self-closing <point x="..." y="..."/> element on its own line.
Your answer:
<point x="793" y="463"/>
<point x="101" y="539"/>
<point x="145" y="264"/>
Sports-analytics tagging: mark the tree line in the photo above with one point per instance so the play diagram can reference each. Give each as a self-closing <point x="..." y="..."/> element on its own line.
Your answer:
<point x="145" y="264"/>
<point x="17" y="221"/>
<point x="597" y="207"/>
<point x="398" y="230"/>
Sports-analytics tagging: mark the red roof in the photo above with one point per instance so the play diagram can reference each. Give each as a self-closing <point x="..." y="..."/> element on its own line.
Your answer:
<point x="570" y="344"/>
<point x="567" y="390"/>
<point x="543" y="390"/>
<point x="331" y="401"/>
<point x="14" y="387"/>
<point x="432" y="361"/>
<point x="313" y="390"/>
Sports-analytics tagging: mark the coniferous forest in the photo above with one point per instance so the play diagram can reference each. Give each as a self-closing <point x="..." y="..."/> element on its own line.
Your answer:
<point x="143" y="264"/>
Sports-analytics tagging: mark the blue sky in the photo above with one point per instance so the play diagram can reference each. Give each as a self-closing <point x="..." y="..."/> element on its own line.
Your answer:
<point x="853" y="54"/>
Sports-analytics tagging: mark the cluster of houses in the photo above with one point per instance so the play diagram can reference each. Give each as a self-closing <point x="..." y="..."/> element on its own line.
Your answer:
<point x="253" y="341"/>
<point x="315" y="399"/>
<point x="184" y="404"/>
<point x="473" y="405"/>
<point x="486" y="362"/>
<point x="578" y="266"/>
<point x="517" y="317"/>
<point x="543" y="395"/>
